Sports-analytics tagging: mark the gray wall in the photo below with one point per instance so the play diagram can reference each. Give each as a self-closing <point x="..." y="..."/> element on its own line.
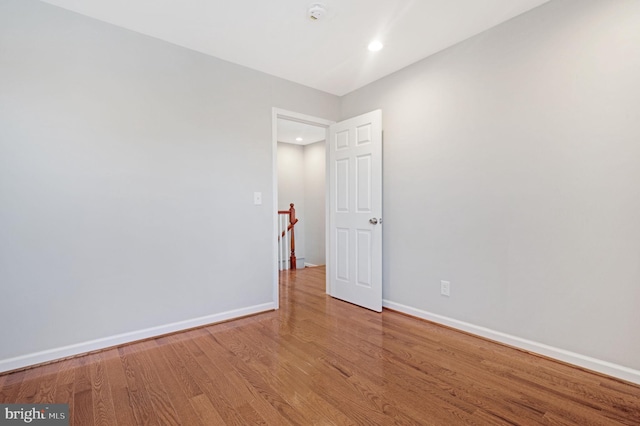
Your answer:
<point x="301" y="180"/>
<point x="127" y="172"/>
<point x="314" y="201"/>
<point x="512" y="169"/>
<point x="291" y="190"/>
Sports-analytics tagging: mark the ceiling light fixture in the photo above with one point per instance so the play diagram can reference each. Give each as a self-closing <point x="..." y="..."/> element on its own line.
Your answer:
<point x="299" y="139"/>
<point x="375" y="45"/>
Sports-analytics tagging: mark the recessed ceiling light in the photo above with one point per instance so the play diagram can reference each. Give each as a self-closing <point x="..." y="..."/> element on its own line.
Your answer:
<point x="299" y="139"/>
<point x="375" y="45"/>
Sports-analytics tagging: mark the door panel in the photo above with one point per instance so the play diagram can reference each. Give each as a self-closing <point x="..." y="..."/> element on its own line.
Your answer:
<point x="342" y="185"/>
<point x="342" y="254"/>
<point x="355" y="181"/>
<point x="363" y="184"/>
<point x="363" y="256"/>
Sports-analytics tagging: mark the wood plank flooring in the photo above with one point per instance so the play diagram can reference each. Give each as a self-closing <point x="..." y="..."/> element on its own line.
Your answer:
<point x="320" y="361"/>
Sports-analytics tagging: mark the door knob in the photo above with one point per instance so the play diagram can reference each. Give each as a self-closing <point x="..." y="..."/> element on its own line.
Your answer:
<point x="373" y="221"/>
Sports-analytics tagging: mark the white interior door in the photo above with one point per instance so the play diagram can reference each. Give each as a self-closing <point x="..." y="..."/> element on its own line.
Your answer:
<point x="354" y="268"/>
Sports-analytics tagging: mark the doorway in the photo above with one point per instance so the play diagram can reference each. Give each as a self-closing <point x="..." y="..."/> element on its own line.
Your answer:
<point x="353" y="206"/>
<point x="285" y="124"/>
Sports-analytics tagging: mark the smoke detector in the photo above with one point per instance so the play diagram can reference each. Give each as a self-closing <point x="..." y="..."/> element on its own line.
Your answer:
<point x="317" y="11"/>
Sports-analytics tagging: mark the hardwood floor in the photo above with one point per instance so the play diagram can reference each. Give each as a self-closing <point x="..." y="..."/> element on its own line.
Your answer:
<point x="319" y="361"/>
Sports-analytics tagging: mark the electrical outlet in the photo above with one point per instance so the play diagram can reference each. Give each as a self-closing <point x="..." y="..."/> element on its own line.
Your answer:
<point x="257" y="198"/>
<point x="445" y="286"/>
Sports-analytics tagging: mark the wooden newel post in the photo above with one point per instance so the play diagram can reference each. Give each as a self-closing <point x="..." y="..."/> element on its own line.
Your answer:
<point x="290" y="227"/>
<point x="292" y="221"/>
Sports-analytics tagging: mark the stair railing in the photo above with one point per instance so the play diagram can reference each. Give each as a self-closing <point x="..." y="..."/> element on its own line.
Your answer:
<point x="287" y="246"/>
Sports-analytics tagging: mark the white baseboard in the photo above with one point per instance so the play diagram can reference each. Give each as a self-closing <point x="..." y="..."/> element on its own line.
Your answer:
<point x="576" y="359"/>
<point x="120" y="339"/>
<point x="309" y="265"/>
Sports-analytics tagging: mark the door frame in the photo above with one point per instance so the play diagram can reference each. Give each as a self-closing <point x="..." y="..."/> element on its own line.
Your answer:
<point x="314" y="121"/>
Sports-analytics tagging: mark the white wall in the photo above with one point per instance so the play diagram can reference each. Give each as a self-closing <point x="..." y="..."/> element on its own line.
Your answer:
<point x="512" y="169"/>
<point x="291" y="190"/>
<point x="127" y="172"/>
<point x="301" y="180"/>
<point x="314" y="200"/>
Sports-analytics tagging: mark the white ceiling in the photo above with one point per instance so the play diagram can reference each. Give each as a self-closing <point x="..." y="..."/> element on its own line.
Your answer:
<point x="289" y="131"/>
<point x="278" y="38"/>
